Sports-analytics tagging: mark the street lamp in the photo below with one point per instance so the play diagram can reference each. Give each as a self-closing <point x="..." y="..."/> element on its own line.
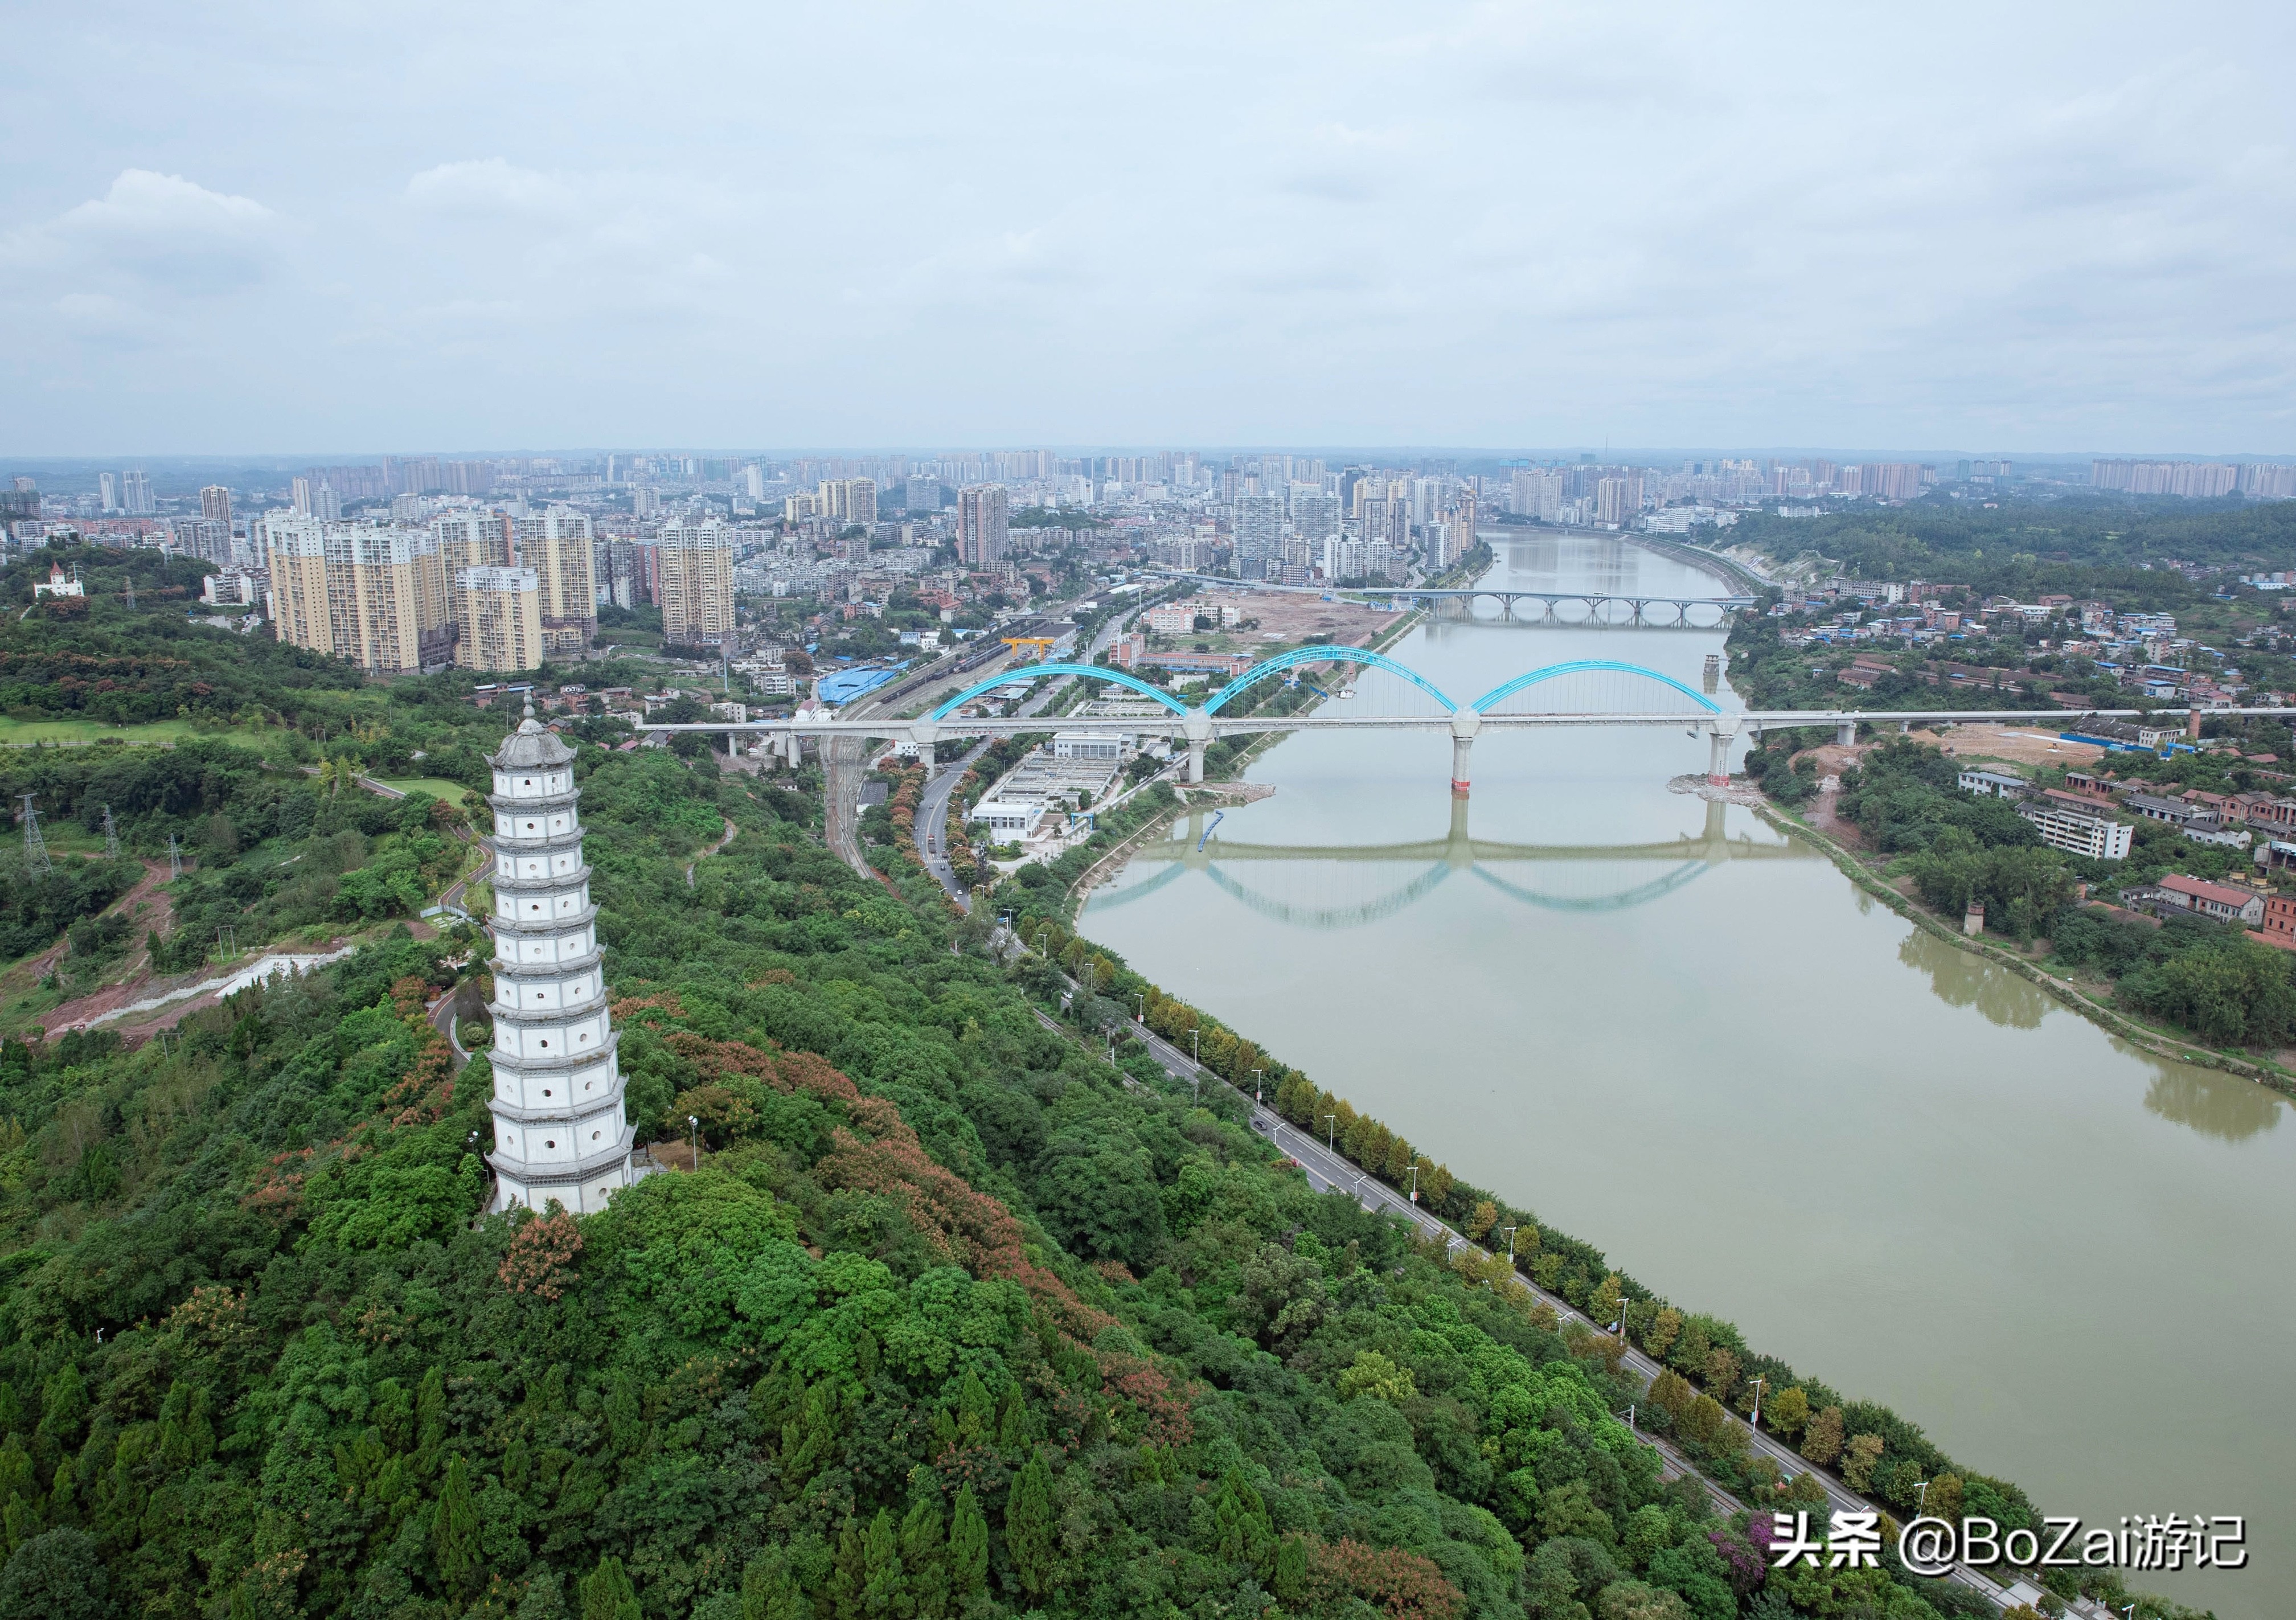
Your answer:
<point x="1332" y="1132"/>
<point x="1195" y="1051"/>
<point x="695" y="1125"/>
<point x="1255" y="1085"/>
<point x="1922" y="1499"/>
<point x="1754" y="1423"/>
<point x="1141" y="1015"/>
<point x="1510" y="1232"/>
<point x="1414" y="1177"/>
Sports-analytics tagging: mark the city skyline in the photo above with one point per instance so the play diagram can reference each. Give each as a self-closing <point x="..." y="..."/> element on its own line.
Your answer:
<point x="1471" y="225"/>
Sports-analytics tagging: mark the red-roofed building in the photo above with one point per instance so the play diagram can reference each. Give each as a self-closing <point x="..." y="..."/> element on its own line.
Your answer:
<point x="2213" y="899"/>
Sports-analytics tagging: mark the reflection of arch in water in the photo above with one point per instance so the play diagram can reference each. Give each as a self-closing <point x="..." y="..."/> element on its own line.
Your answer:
<point x="1681" y="861"/>
<point x="1624" y="900"/>
<point x="1328" y="918"/>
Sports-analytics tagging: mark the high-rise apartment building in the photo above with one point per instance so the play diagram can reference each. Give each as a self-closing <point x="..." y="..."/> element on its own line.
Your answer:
<point x="924" y="492"/>
<point x="556" y="546"/>
<point x="107" y="489"/>
<point x="135" y="494"/>
<point x="753" y="481"/>
<point x="215" y="505"/>
<point x="201" y="537"/>
<point x="983" y="524"/>
<point x="2198" y="480"/>
<point x="697" y="585"/>
<point x="326" y="505"/>
<point x="1258" y="529"/>
<point x="498" y="620"/>
<point x="299" y="493"/>
<point x="1316" y="517"/>
<point x="374" y="596"/>
<point x="472" y="539"/>
<point x="844" y="501"/>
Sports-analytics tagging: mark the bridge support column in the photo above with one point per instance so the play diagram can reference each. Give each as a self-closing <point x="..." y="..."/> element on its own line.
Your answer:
<point x="1464" y="724"/>
<point x="1724" y="732"/>
<point x="1197" y="730"/>
<point x="926" y="735"/>
<point x="1845" y="735"/>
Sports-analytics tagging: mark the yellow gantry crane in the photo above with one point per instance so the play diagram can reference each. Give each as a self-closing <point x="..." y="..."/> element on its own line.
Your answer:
<point x="1044" y="644"/>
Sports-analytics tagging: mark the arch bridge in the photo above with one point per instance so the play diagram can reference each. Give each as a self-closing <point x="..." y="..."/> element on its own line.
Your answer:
<point x="1394" y="697"/>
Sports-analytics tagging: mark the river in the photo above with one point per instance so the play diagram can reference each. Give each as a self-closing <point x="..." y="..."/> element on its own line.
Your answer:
<point x="1904" y="1170"/>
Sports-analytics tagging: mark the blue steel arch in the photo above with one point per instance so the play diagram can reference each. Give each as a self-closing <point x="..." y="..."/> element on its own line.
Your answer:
<point x="1499" y="694"/>
<point x="1325" y="653"/>
<point x="1029" y="672"/>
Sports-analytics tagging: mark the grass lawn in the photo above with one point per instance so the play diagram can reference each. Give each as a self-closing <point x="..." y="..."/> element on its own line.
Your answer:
<point x="437" y="787"/>
<point x="19" y="733"/>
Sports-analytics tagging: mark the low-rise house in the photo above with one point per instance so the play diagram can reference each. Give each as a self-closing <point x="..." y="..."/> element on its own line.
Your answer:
<point x="2216" y="900"/>
<point x="2278" y="927"/>
<point x="1993" y="784"/>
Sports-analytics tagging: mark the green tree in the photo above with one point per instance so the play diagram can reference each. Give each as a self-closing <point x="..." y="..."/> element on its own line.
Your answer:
<point x="924" y="1557"/>
<point x="770" y="1589"/>
<point x="1239" y="1519"/>
<point x="1290" y="1581"/>
<point x="454" y="1545"/>
<point x="968" y="1548"/>
<point x="56" y="1575"/>
<point x="1028" y="1527"/>
<point x="607" y="1593"/>
<point x="884" y="1581"/>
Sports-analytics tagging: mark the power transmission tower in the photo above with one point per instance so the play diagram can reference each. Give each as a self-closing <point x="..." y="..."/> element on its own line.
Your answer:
<point x="36" y="849"/>
<point x="175" y="859"/>
<point x="227" y="942"/>
<point x="110" y="836"/>
<point x="131" y="591"/>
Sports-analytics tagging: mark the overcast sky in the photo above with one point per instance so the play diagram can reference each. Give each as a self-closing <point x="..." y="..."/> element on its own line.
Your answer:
<point x="336" y="227"/>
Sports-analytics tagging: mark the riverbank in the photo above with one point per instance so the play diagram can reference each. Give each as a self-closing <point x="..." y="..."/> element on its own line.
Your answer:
<point x="2159" y="1042"/>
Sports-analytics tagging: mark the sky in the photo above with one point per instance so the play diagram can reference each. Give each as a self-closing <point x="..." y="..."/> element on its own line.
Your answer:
<point x="332" y="227"/>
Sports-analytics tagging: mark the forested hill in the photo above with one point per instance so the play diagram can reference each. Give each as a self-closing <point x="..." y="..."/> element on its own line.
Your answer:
<point x="2080" y="547"/>
<point x="954" y="1319"/>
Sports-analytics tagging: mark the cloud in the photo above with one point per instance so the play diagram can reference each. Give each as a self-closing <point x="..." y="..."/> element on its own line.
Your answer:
<point x="152" y="234"/>
<point x="492" y="188"/>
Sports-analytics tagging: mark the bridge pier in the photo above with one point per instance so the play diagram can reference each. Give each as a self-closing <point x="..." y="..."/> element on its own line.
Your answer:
<point x="926" y="735"/>
<point x="1718" y="738"/>
<point x="1845" y="735"/>
<point x="1197" y="728"/>
<point x="1464" y="724"/>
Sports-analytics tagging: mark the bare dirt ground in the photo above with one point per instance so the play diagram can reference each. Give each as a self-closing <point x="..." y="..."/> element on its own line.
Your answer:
<point x="1288" y="616"/>
<point x="2020" y="745"/>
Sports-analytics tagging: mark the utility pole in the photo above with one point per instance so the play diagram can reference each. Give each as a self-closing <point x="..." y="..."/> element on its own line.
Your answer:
<point x="36" y="849"/>
<point x="175" y="859"/>
<point x="110" y="836"/>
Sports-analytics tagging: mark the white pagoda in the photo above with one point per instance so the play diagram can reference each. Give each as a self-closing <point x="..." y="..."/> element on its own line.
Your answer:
<point x="559" y="1129"/>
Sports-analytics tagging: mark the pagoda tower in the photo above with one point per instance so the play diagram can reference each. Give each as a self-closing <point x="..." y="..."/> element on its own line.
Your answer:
<point x="559" y="1128"/>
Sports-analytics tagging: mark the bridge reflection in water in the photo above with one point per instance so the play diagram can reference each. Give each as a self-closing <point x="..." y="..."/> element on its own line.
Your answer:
<point x="1348" y="886"/>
